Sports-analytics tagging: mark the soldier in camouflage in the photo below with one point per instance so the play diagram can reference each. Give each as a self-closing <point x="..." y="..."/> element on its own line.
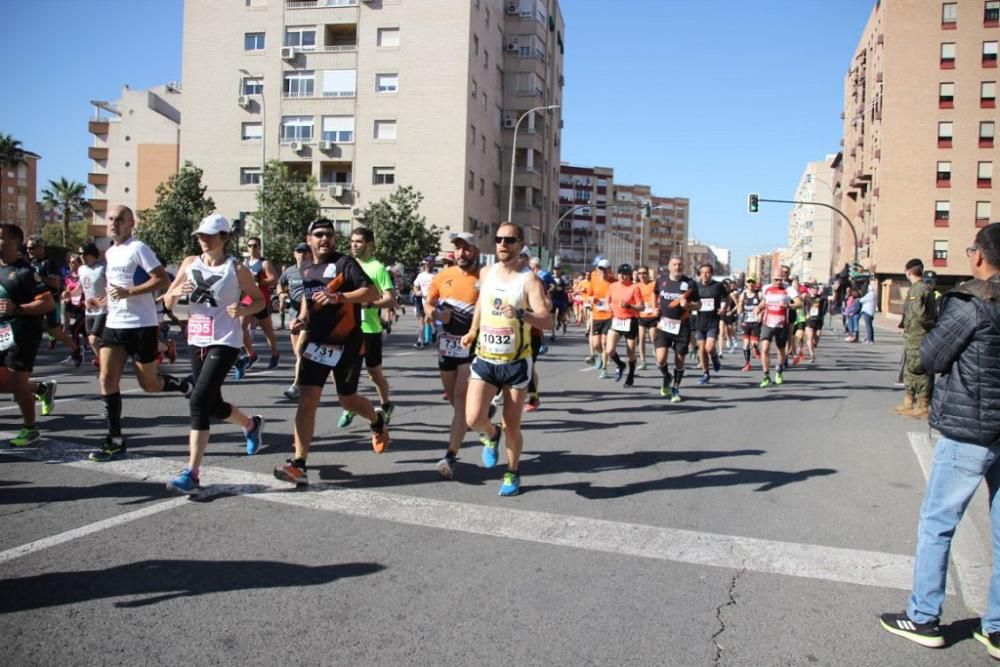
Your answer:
<point x="919" y="317"/>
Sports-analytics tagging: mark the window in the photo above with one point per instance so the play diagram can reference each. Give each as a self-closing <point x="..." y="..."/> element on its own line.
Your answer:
<point x="253" y="86"/>
<point x="946" y="95"/>
<point x="989" y="54"/>
<point x="340" y="82"/>
<point x="486" y="59"/>
<point x="982" y="213"/>
<point x="991" y="14"/>
<point x="940" y="253"/>
<point x="250" y="176"/>
<point x="482" y="137"/>
<point x="988" y="94"/>
<point x="383" y="175"/>
<point x="944" y="174"/>
<point x="946" y="130"/>
<point x="482" y="187"/>
<point x="388" y="37"/>
<point x="475" y="45"/>
<point x="474" y="90"/>
<point x="302" y="37"/>
<point x="253" y="41"/>
<point x="299" y="84"/>
<point x="385" y="130"/>
<point x="338" y="129"/>
<point x="942" y="211"/>
<point x="949" y="15"/>
<point x="252" y="132"/>
<point x="948" y="55"/>
<point x="472" y="180"/>
<point x="984" y="175"/>
<point x="472" y="135"/>
<point x="987" y="130"/>
<point x="296" y="128"/>
<point x="386" y="83"/>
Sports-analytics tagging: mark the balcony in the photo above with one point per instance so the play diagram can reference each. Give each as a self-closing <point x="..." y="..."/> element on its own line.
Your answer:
<point x="97" y="153"/>
<point x="99" y="205"/>
<point x="316" y="4"/>
<point x="97" y="179"/>
<point x="321" y="12"/>
<point x="99" y="127"/>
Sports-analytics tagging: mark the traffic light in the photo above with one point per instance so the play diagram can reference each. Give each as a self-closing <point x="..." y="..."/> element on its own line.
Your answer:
<point x="753" y="202"/>
<point x="647" y="209"/>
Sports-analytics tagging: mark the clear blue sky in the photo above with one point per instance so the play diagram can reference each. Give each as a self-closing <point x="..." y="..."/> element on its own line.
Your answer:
<point x="706" y="99"/>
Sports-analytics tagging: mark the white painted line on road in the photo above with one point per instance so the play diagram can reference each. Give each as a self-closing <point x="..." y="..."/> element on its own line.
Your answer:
<point x="863" y="568"/>
<point x="89" y="529"/>
<point x="969" y="552"/>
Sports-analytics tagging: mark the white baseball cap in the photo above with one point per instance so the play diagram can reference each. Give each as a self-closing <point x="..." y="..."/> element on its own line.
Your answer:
<point x="604" y="264"/>
<point x="470" y="239"/>
<point x="213" y="224"/>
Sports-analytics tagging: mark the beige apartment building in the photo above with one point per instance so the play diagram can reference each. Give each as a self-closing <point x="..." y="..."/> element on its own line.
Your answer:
<point x="917" y="174"/>
<point x="19" y="192"/>
<point x="134" y="149"/>
<point x="366" y="96"/>
<point x="811" y="228"/>
<point x="584" y="193"/>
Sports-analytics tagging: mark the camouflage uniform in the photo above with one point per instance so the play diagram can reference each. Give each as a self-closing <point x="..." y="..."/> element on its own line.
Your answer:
<point x="918" y="318"/>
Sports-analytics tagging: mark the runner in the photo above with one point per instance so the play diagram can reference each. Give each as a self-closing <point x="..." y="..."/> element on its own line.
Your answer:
<point x="713" y="300"/>
<point x="24" y="302"/>
<point x="451" y="300"/>
<point x="290" y="291"/>
<point x="46" y="270"/>
<point x="215" y="284"/>
<point x="93" y="281"/>
<point x="797" y="321"/>
<point x="647" y="318"/>
<point x="559" y="295"/>
<point x="266" y="276"/>
<point x="746" y="305"/>
<point x="72" y="308"/>
<point x="421" y="284"/>
<point x="677" y="294"/>
<point x="727" y="330"/>
<point x="626" y="304"/>
<point x="511" y="301"/>
<point x="133" y="275"/>
<point x="533" y="401"/>
<point x="548" y="282"/>
<point x="600" y="316"/>
<point x="774" y="308"/>
<point x="816" y="312"/>
<point x="334" y="287"/>
<point x="362" y="249"/>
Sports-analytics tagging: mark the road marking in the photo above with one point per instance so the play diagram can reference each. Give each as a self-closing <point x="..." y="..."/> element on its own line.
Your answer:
<point x="858" y="567"/>
<point x="967" y="547"/>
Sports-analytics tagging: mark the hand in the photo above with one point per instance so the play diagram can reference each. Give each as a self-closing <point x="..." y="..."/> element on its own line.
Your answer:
<point x="297" y="325"/>
<point x="234" y="310"/>
<point x="7" y="307"/>
<point x="93" y="303"/>
<point x="468" y="339"/>
<point x="118" y="293"/>
<point x="326" y="297"/>
<point x="682" y="302"/>
<point x="508" y="311"/>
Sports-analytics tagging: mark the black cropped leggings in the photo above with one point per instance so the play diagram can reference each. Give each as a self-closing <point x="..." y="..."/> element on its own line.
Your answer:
<point x="210" y="366"/>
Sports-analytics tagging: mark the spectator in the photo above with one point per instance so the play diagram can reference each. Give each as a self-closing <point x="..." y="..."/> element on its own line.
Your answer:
<point x="868" y="314"/>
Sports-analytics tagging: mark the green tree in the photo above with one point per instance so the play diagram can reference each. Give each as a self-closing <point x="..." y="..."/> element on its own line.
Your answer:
<point x="401" y="232"/>
<point x="285" y="207"/>
<point x="52" y="234"/>
<point x="68" y="199"/>
<point x="11" y="155"/>
<point x="180" y="205"/>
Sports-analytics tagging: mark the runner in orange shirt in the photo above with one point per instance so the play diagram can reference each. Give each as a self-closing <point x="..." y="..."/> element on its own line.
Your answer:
<point x="600" y="314"/>
<point x="626" y="304"/>
<point x="647" y="318"/>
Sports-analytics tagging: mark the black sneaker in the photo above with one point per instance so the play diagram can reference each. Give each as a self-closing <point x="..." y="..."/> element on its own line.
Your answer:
<point x="112" y="450"/>
<point x="990" y="641"/>
<point x="925" y="634"/>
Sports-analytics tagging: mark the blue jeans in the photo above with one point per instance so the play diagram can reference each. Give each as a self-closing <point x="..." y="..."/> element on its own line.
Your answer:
<point x="852" y="324"/>
<point x="956" y="472"/>
<point x="869" y="329"/>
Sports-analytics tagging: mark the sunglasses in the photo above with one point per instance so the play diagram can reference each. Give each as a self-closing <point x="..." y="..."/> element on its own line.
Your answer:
<point x="506" y="240"/>
<point x="971" y="249"/>
<point x="323" y="235"/>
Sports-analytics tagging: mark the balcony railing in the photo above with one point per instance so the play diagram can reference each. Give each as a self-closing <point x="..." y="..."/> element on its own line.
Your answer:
<point x="341" y="48"/>
<point x="311" y="4"/>
<point x="99" y="205"/>
<point x="339" y="93"/>
<point x="97" y="153"/>
<point x="98" y="127"/>
<point x="97" y="179"/>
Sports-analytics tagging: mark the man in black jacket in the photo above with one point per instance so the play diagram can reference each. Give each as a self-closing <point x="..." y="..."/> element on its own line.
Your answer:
<point x="964" y="348"/>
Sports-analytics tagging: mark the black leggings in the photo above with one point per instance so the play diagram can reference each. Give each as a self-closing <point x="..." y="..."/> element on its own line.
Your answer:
<point x="210" y="366"/>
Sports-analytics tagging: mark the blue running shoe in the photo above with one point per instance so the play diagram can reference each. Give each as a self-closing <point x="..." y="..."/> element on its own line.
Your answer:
<point x="542" y="349"/>
<point x="716" y="364"/>
<point x="273" y="363"/>
<point x="598" y="363"/>
<point x="255" y="436"/>
<point x="240" y="368"/>
<point x="619" y="372"/>
<point x="705" y="379"/>
<point x="491" y="447"/>
<point x="185" y="483"/>
<point x="511" y="485"/>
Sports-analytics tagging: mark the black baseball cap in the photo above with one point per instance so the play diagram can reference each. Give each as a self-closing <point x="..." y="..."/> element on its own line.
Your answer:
<point x="320" y="223"/>
<point x="302" y="247"/>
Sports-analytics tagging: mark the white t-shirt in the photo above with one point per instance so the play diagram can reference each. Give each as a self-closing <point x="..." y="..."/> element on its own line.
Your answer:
<point x="215" y="289"/>
<point x="423" y="282"/>
<point x="93" y="280"/>
<point x="130" y="264"/>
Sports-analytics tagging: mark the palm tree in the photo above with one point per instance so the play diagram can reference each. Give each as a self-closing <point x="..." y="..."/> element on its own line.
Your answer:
<point x="66" y="197"/>
<point x="11" y="155"/>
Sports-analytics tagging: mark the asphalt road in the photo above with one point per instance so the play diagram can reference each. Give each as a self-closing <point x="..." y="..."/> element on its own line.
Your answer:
<point x="743" y="526"/>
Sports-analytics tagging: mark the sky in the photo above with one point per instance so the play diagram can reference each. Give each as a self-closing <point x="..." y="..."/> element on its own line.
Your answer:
<point x="705" y="99"/>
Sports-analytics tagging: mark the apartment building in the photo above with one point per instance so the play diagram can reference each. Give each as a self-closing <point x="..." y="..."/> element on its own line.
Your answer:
<point x="584" y="193"/>
<point x="919" y="159"/>
<point x="19" y="192"/>
<point x="366" y="96"/>
<point x="811" y="228"/>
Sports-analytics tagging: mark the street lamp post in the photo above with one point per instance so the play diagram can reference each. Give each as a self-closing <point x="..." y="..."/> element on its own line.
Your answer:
<point x="513" y="156"/>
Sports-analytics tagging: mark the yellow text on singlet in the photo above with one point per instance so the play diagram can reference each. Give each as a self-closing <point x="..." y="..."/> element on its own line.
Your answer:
<point x="503" y="339"/>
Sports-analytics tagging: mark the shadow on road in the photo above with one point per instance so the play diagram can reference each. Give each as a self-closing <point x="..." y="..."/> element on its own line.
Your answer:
<point x="165" y="580"/>
<point x="563" y="461"/>
<point x="136" y="492"/>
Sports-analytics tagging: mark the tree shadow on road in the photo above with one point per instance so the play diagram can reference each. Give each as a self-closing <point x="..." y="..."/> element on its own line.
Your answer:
<point x="136" y="492"/>
<point x="166" y="580"/>
<point x="564" y="461"/>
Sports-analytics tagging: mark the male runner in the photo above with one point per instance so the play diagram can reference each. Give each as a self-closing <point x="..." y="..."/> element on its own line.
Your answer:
<point x="746" y="305"/>
<point x="290" y="294"/>
<point x="774" y="306"/>
<point x="362" y="249"/>
<point x="600" y="314"/>
<point x="421" y="284"/>
<point x="267" y="277"/>
<point x="626" y="304"/>
<point x="677" y="299"/>
<point x="559" y="293"/>
<point x="134" y="275"/>
<point x="334" y="287"/>
<point x="815" y="309"/>
<point x="24" y="301"/>
<point x="52" y="323"/>
<point x="451" y="300"/>
<point x="647" y="318"/>
<point x="713" y="299"/>
<point x="548" y="282"/>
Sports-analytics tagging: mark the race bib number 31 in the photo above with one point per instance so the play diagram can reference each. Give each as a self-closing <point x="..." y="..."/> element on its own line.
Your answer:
<point x="327" y="355"/>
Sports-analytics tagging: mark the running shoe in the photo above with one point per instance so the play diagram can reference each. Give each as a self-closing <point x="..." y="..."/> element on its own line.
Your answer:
<point x="292" y="393"/>
<point x="255" y="436"/>
<point x="664" y="392"/>
<point x="542" y="349"/>
<point x="380" y="434"/>
<point x="511" y="484"/>
<point x="273" y="363"/>
<point x="705" y="379"/>
<point x="641" y="367"/>
<point x="675" y="395"/>
<point x="716" y="364"/>
<point x="26" y="436"/>
<point x="491" y="447"/>
<point x="185" y="483"/>
<point x="446" y="466"/>
<point x="746" y="367"/>
<point x="533" y="403"/>
<point x="251" y="359"/>
<point x="991" y="641"/>
<point x="346" y="417"/>
<point x="188" y="386"/>
<point x="629" y="382"/>
<point x="779" y="378"/>
<point x="598" y="362"/>
<point x="589" y="359"/>
<point x="52" y="343"/>
<point x="111" y="451"/>
<point x="294" y="471"/>
<point x="619" y="372"/>
<point x="47" y="396"/>
<point x="925" y="634"/>
<point x="766" y="382"/>
<point x="603" y="375"/>
<point x="388" y="409"/>
<point x="240" y="368"/>
<point x="68" y="361"/>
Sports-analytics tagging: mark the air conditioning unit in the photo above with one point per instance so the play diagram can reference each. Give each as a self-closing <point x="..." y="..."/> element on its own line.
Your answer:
<point x="356" y="212"/>
<point x="335" y="191"/>
<point x="509" y="123"/>
<point x="243" y="101"/>
<point x="296" y="146"/>
<point x="512" y="47"/>
<point x="288" y="53"/>
<point x="326" y="145"/>
<point x="512" y="8"/>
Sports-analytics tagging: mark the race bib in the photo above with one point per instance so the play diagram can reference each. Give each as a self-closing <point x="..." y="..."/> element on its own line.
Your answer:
<point x="497" y="340"/>
<point x="774" y="321"/>
<point x="451" y="346"/>
<point x="751" y="317"/>
<point x="327" y="355"/>
<point x="601" y="304"/>
<point x="201" y="330"/>
<point x="6" y="336"/>
<point x="707" y="306"/>
<point x="669" y="325"/>
<point x="622" y="324"/>
<point x="814" y="311"/>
